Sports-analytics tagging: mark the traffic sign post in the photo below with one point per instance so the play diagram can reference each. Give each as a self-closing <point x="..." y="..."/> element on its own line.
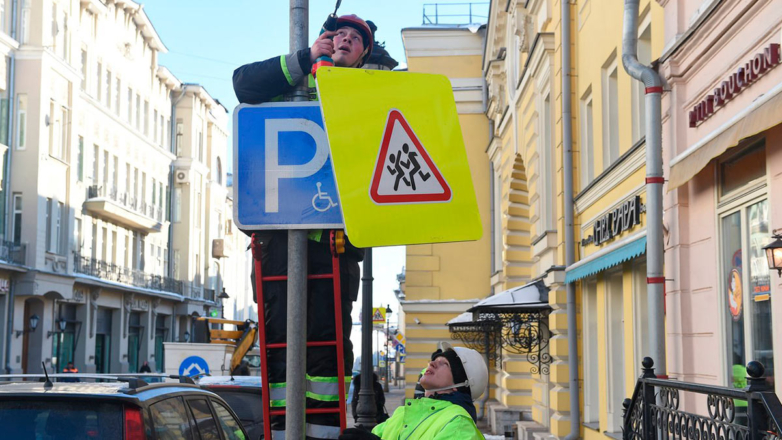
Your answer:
<point x="402" y="172"/>
<point x="284" y="177"/>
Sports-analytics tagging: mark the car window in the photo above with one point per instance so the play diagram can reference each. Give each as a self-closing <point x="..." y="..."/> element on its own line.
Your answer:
<point x="228" y="423"/>
<point x="204" y="420"/>
<point x="248" y="407"/>
<point x="51" y="419"/>
<point x="169" y="418"/>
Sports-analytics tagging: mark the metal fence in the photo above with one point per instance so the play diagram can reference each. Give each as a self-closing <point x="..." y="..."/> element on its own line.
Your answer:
<point x="124" y="275"/>
<point x="14" y="253"/>
<point x="126" y="200"/>
<point x="751" y="413"/>
<point x="456" y="13"/>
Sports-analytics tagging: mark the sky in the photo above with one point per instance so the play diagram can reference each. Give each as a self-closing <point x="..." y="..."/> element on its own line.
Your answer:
<point x="208" y="39"/>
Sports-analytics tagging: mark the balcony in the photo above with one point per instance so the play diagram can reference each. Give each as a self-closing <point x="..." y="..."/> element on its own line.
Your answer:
<point x="456" y="13"/>
<point x="13" y="253"/>
<point x="123" y="209"/>
<point x="132" y="277"/>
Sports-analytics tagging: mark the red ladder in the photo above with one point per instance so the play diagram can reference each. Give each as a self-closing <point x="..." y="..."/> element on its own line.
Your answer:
<point x="336" y="244"/>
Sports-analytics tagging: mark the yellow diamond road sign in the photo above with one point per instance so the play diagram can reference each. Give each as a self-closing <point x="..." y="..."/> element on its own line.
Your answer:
<point x="398" y="157"/>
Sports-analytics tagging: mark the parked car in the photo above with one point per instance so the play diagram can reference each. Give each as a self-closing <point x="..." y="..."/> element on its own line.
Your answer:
<point x="127" y="408"/>
<point x="243" y="394"/>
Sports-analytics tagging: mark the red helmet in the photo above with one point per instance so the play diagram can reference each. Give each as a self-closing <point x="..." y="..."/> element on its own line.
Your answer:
<point x="360" y="25"/>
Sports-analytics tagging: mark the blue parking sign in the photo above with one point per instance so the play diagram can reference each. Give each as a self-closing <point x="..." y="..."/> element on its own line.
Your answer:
<point x="283" y="178"/>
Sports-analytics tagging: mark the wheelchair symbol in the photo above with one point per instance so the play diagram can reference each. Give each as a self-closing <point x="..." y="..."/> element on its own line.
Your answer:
<point x="322" y="201"/>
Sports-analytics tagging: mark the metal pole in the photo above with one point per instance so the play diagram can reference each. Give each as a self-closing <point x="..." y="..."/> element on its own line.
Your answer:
<point x="296" y="353"/>
<point x="654" y="184"/>
<point x="570" y="249"/>
<point x="385" y="373"/>
<point x="366" y="409"/>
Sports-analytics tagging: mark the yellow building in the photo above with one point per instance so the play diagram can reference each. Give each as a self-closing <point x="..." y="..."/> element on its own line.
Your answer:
<point x="443" y="280"/>
<point x="521" y="66"/>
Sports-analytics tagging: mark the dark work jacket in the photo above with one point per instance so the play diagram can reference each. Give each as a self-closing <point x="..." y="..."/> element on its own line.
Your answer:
<point x="265" y="81"/>
<point x="461" y="399"/>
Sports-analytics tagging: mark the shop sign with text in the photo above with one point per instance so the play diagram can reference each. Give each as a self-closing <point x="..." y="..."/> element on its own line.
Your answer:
<point x="736" y="83"/>
<point x="614" y="223"/>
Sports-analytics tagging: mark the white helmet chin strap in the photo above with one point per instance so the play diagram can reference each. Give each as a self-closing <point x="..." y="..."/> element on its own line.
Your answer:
<point x="458" y="385"/>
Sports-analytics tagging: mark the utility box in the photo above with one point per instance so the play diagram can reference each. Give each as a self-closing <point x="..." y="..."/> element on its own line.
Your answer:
<point x="216" y="356"/>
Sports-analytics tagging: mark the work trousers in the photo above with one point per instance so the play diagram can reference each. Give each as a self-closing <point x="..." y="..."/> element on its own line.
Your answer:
<point x="322" y="384"/>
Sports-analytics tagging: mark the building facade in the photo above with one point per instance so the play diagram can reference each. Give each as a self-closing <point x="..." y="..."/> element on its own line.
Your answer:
<point x="721" y="144"/>
<point x="117" y="192"/>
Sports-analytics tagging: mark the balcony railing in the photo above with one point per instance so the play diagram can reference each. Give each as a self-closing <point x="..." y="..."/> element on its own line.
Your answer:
<point x="133" y="277"/>
<point x="456" y="13"/>
<point x="126" y="200"/>
<point x="13" y="253"/>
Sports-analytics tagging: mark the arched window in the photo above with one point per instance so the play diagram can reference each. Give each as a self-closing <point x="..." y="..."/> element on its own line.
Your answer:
<point x="219" y="172"/>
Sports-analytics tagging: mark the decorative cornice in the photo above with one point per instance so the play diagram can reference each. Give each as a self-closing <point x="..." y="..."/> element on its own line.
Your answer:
<point x="615" y="175"/>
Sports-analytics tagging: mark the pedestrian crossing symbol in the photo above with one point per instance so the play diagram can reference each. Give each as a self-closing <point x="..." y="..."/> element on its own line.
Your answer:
<point x="378" y="315"/>
<point x="404" y="172"/>
<point x="400" y="163"/>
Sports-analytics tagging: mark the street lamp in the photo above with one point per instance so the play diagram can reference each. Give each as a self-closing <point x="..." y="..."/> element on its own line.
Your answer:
<point x="32" y="325"/>
<point x="187" y="336"/>
<point x="774" y="253"/>
<point x="223" y="296"/>
<point x="61" y="324"/>
<point x="388" y="325"/>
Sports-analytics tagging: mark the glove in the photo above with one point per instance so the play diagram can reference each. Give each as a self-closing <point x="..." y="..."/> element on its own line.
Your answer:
<point x="357" y="434"/>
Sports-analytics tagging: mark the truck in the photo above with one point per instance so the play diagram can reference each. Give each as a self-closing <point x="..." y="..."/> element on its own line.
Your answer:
<point x="219" y="352"/>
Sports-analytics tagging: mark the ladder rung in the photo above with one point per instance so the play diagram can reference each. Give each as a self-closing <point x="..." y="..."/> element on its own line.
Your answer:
<point x="281" y="412"/>
<point x="309" y="344"/>
<point x="320" y="276"/>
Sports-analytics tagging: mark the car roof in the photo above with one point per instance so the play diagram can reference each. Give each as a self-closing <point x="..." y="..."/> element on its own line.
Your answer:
<point x="240" y="381"/>
<point x="104" y="390"/>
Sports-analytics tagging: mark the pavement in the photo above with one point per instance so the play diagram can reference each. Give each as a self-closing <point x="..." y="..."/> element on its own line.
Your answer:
<point x="395" y="398"/>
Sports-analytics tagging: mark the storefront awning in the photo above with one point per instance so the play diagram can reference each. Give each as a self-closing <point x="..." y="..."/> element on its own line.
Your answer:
<point x="618" y="253"/>
<point x="764" y="113"/>
<point x="529" y="297"/>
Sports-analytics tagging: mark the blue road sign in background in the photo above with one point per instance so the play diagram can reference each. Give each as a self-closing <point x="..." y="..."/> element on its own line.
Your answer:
<point x="283" y="177"/>
<point x="192" y="366"/>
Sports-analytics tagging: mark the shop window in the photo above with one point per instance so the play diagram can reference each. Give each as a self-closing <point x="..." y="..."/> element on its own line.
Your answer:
<point x="160" y="336"/>
<point x="135" y="333"/>
<point x="615" y="379"/>
<point x="590" y="350"/>
<point x="745" y="290"/>
<point x="744" y="168"/>
<point x="64" y="342"/>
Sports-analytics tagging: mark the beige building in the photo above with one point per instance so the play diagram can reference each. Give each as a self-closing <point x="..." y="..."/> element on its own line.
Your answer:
<point x="117" y="192"/>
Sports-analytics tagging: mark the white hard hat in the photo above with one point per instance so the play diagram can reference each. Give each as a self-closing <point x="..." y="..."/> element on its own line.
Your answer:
<point x="474" y="367"/>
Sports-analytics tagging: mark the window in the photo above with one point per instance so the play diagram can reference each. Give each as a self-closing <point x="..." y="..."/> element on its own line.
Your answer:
<point x="615" y="347"/>
<point x="177" y="216"/>
<point x="200" y="146"/>
<point x="118" y="94"/>
<point x="80" y="161"/>
<point x="95" y="164"/>
<point x="21" y="122"/>
<point x="206" y="422"/>
<point x="77" y="235"/>
<point x="115" y="176"/>
<point x="168" y="134"/>
<point x="590" y="338"/>
<point x="639" y="90"/>
<point x="138" y="111"/>
<point x="219" y="172"/>
<point x="49" y="225"/>
<point x="108" y="88"/>
<point x="135" y="185"/>
<point x="104" y="255"/>
<point x="94" y="241"/>
<point x="180" y="132"/>
<point x="146" y="118"/>
<point x="219" y="225"/>
<point x="17" y="226"/>
<point x="587" y="140"/>
<point x="128" y="251"/>
<point x="610" y="113"/>
<point x="98" y="82"/>
<point x="83" y="70"/>
<point x="106" y="173"/>
<point x="54" y="213"/>
<point x="55" y="131"/>
<point x="155" y="126"/>
<point x="143" y="188"/>
<point x="154" y="192"/>
<point x="25" y="22"/>
<point x="128" y="179"/>
<point x="169" y="419"/>
<point x="743" y="168"/>
<point x="130" y="106"/>
<point x="161" y="135"/>
<point x="198" y="213"/>
<point x="231" y="429"/>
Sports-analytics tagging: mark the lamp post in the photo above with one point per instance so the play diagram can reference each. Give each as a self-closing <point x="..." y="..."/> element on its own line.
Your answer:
<point x="388" y="326"/>
<point x="223" y="296"/>
<point x="774" y="253"/>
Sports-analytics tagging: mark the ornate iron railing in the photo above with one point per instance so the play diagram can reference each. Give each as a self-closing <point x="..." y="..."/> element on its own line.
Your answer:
<point x="523" y="333"/>
<point x="112" y="272"/>
<point x="126" y="200"/>
<point x="14" y="253"/>
<point x="482" y="336"/>
<point x="653" y="411"/>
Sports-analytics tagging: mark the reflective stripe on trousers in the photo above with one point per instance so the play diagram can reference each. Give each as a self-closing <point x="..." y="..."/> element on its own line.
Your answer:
<point x="324" y="389"/>
<point x="315" y="431"/>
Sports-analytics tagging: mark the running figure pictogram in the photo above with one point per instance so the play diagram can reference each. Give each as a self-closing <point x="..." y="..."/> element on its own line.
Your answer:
<point x="397" y="170"/>
<point x="411" y="159"/>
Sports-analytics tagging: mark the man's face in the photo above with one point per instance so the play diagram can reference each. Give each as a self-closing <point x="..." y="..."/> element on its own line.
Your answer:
<point x="348" y="47"/>
<point x="437" y="375"/>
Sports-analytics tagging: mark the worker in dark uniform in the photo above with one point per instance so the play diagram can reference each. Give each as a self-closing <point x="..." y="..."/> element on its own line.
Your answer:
<point x="349" y="46"/>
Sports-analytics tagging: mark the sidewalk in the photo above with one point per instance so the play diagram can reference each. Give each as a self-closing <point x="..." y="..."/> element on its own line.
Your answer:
<point x="394" y="399"/>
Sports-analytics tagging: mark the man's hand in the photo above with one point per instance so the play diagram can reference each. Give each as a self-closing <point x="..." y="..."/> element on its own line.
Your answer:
<point x="357" y="434"/>
<point x="323" y="46"/>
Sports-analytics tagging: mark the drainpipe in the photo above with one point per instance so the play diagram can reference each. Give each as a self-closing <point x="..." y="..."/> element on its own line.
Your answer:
<point x="570" y="248"/>
<point x="9" y="319"/>
<point x="654" y="185"/>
